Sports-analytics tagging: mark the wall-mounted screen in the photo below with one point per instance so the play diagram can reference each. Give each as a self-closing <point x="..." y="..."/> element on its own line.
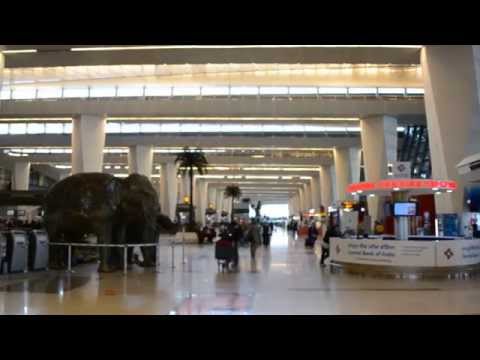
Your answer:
<point x="405" y="209"/>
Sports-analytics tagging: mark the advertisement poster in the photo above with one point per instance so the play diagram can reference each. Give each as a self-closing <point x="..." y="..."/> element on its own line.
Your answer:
<point x="458" y="252"/>
<point x="383" y="252"/>
<point x="449" y="224"/>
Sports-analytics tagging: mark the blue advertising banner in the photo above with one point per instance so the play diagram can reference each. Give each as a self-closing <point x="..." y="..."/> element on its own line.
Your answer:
<point x="450" y="224"/>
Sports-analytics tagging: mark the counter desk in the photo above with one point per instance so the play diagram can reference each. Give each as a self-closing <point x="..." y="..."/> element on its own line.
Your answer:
<point x="419" y="255"/>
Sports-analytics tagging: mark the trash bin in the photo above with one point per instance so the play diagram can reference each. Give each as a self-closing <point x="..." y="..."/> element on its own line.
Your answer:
<point x="17" y="251"/>
<point x="38" y="250"/>
<point x="3" y="254"/>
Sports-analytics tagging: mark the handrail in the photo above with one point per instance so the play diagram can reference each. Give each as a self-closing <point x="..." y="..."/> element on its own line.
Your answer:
<point x="124" y="246"/>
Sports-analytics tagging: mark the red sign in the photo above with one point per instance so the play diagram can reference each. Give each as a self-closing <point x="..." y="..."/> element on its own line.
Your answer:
<point x="403" y="184"/>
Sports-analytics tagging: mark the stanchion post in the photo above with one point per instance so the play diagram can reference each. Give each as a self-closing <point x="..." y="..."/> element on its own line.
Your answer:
<point x="173" y="254"/>
<point x="125" y="259"/>
<point x="69" y="258"/>
<point x="183" y="245"/>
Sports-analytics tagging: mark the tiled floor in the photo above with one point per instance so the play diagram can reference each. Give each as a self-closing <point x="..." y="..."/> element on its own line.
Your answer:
<point x="285" y="279"/>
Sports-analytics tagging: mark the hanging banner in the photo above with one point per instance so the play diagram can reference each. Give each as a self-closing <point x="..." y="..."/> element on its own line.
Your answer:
<point x="401" y="170"/>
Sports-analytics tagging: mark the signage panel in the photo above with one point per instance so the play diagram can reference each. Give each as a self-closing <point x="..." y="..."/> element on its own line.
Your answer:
<point x="383" y="252"/>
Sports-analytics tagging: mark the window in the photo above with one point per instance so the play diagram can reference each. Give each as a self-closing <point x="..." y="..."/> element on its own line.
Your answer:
<point x="96" y="92"/>
<point x="5" y="93"/>
<point x="24" y="93"/>
<point x="150" y="128"/>
<point x="171" y="128"/>
<point x="49" y="93"/>
<point x="158" y="91"/>
<point x="414" y="91"/>
<point x="273" y="90"/>
<point x="302" y="90"/>
<point x="244" y="90"/>
<point x="391" y="91"/>
<point x="18" y="129"/>
<point x="113" y="128"/>
<point x="3" y="129"/>
<point x="332" y="91"/>
<point x="130" y="128"/>
<point x="186" y="91"/>
<point x="273" y="128"/>
<point x="80" y="92"/>
<point x="126" y="91"/>
<point x="34" y="128"/>
<point x="53" y="128"/>
<point x="190" y="128"/>
<point x="215" y="90"/>
<point x="362" y="91"/>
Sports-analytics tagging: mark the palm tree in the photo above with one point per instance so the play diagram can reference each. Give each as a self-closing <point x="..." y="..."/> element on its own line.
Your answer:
<point x="232" y="191"/>
<point x="189" y="160"/>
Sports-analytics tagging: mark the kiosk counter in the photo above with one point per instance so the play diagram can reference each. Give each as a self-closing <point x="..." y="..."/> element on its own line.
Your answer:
<point x="419" y="255"/>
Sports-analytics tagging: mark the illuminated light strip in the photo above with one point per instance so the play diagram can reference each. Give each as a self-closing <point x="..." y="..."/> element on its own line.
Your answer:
<point x="49" y="119"/>
<point x="23" y="51"/>
<point x="184" y="47"/>
<point x="221" y="118"/>
<point x="402" y="184"/>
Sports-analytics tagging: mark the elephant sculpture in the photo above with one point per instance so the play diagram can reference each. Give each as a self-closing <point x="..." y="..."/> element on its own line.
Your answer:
<point x="117" y="211"/>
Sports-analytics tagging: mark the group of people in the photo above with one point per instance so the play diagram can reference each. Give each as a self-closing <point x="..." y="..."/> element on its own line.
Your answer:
<point x="253" y="234"/>
<point x="319" y="230"/>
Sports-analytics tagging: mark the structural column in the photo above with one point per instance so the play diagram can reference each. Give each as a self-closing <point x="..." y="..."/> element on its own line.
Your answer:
<point x="88" y="141"/>
<point x="301" y="199"/>
<point x="326" y="189"/>
<point x="451" y="81"/>
<point x="314" y="185"/>
<point x="347" y="170"/>
<point x="21" y="175"/>
<point x="163" y="190"/>
<point x="140" y="160"/>
<point x="308" y="196"/>
<point x="379" y="143"/>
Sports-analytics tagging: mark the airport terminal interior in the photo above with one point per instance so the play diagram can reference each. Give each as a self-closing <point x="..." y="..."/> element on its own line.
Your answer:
<point x="239" y="179"/>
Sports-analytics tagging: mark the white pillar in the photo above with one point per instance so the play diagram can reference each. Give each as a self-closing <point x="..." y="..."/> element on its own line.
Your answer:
<point x="140" y="160"/>
<point x="379" y="143"/>
<point x="308" y="196"/>
<point x="2" y="65"/>
<point x="21" y="175"/>
<point x="301" y="199"/>
<point x="202" y="202"/>
<point x="88" y="141"/>
<point x="212" y="196"/>
<point x="347" y="170"/>
<point x="451" y="81"/>
<point x="342" y="172"/>
<point x="326" y="185"/>
<point x="354" y="157"/>
<point x="163" y="193"/>
<point x="219" y="201"/>
<point x="314" y="185"/>
<point x="172" y="191"/>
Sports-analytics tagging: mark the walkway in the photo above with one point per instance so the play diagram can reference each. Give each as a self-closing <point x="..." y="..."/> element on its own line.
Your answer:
<point x="285" y="279"/>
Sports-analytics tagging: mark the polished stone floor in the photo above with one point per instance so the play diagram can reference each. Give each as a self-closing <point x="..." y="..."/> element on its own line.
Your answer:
<point x="284" y="279"/>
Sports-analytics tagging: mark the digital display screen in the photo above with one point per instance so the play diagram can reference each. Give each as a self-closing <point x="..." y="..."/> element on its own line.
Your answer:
<point x="10" y="212"/>
<point x="405" y="209"/>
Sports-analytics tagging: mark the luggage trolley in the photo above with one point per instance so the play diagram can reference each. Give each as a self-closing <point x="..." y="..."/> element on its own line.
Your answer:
<point x="224" y="253"/>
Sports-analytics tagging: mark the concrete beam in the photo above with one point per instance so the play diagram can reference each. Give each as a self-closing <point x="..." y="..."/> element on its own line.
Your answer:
<point x="60" y="56"/>
<point x="246" y="106"/>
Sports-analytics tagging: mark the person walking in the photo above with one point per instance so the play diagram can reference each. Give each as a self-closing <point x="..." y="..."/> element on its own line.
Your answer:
<point x="331" y="231"/>
<point x="254" y="238"/>
<point x="266" y="234"/>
